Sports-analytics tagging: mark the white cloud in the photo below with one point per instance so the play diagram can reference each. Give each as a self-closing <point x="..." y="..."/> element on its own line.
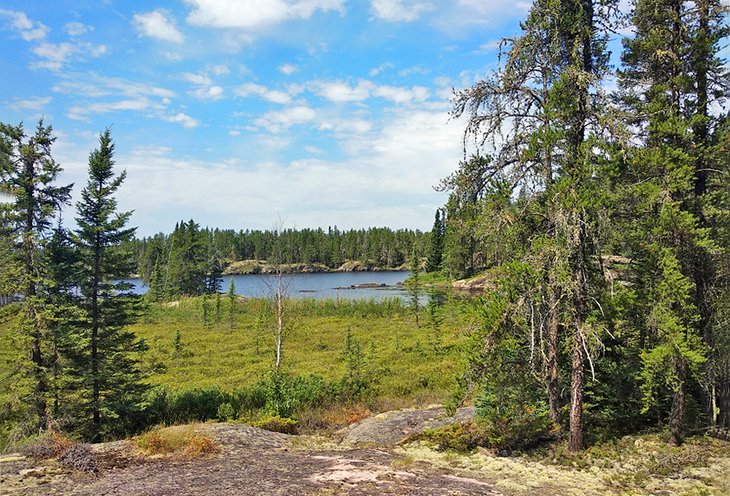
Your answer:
<point x="206" y="90"/>
<point x="402" y="95"/>
<point x="56" y="55"/>
<point x="197" y="78"/>
<point x="94" y="86"/>
<point x="398" y="10"/>
<point x="81" y="112"/>
<point x="29" y="30"/>
<point x="416" y="69"/>
<point x="77" y="28"/>
<point x="221" y="70"/>
<point x="288" y="69"/>
<point x="182" y="118"/>
<point x="35" y="103"/>
<point x="156" y="24"/>
<point x="340" y="91"/>
<point x="208" y="93"/>
<point x="273" y="96"/>
<point x="279" y="120"/>
<point x="93" y="50"/>
<point x="254" y="13"/>
<point x="376" y="71"/>
<point x="53" y="55"/>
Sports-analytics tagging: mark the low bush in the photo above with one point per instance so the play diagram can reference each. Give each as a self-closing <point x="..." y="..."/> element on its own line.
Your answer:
<point x="513" y="426"/>
<point x="277" y="424"/>
<point x="226" y="413"/>
<point x="48" y="445"/>
<point x="459" y="436"/>
<point x="185" y="440"/>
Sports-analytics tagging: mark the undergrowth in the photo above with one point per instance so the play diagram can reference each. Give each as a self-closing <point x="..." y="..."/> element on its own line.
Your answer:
<point x="185" y="440"/>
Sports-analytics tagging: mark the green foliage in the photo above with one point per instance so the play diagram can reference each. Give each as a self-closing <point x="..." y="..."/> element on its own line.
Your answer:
<point x="509" y="421"/>
<point x="225" y="412"/>
<point x="277" y="424"/>
<point x="29" y="172"/>
<point x="103" y="367"/>
<point x="436" y="245"/>
<point x="459" y="436"/>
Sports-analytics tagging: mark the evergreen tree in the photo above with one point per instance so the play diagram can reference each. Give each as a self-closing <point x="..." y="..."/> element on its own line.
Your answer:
<point x="156" y="292"/>
<point x="538" y="114"/>
<point x="62" y="260"/>
<point x="231" y="303"/>
<point x="436" y="246"/>
<point x="29" y="172"/>
<point x="109" y="378"/>
<point x="669" y="66"/>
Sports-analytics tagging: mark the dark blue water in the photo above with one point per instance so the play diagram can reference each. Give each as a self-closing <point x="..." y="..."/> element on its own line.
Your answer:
<point x="326" y="285"/>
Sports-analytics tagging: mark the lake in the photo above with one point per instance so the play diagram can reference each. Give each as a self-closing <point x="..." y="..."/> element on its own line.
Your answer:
<point x="322" y="285"/>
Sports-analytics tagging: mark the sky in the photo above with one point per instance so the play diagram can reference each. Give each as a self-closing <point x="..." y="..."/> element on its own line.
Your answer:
<point x="242" y="113"/>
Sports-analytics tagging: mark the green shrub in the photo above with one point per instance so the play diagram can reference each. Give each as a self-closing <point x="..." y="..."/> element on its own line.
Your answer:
<point x="285" y="393"/>
<point x="226" y="413"/>
<point x="250" y="399"/>
<point x="275" y="423"/>
<point x="459" y="436"/>
<point x="515" y="425"/>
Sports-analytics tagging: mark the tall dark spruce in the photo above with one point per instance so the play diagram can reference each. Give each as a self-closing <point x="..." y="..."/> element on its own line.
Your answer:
<point x="671" y="76"/>
<point x="29" y="173"/>
<point x="109" y="380"/>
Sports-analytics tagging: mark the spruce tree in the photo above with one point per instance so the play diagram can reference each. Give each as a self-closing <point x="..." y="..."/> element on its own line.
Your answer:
<point x="231" y="303"/>
<point x="29" y="172"/>
<point x="109" y="378"/>
<point x="667" y="80"/>
<point x="436" y="247"/>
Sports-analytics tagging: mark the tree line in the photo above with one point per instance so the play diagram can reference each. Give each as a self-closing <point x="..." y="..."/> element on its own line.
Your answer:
<point x="602" y="218"/>
<point x="191" y="259"/>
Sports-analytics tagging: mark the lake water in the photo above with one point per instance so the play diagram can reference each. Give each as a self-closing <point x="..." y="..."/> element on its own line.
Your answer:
<point x="323" y="285"/>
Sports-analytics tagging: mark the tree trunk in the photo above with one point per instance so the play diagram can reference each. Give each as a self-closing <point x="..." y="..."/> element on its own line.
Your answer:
<point x="577" y="390"/>
<point x="30" y="269"/>
<point x="280" y="325"/>
<point x="677" y="416"/>
<point x="96" y="383"/>
<point x="553" y="389"/>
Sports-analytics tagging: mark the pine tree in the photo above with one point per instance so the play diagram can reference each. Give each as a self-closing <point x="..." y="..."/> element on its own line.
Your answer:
<point x="61" y="260"/>
<point x="110" y="380"/>
<point x="29" y="172"/>
<point x="436" y="247"/>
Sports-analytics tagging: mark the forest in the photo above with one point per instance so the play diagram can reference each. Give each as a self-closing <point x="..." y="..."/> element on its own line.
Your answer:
<point x="593" y="203"/>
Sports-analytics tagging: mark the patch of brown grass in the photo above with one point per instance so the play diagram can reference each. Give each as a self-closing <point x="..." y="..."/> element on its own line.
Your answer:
<point x="183" y="440"/>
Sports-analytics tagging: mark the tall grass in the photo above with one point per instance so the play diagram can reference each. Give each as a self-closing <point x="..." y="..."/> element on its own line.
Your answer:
<point x="202" y="370"/>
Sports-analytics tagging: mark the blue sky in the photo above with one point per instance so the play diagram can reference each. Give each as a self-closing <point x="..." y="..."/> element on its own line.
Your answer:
<point x="238" y="112"/>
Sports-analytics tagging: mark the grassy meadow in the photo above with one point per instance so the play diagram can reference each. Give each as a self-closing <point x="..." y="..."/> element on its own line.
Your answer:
<point x="410" y="365"/>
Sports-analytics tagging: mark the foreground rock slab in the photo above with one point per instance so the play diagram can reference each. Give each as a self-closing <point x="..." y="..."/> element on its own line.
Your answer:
<point x="250" y="461"/>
